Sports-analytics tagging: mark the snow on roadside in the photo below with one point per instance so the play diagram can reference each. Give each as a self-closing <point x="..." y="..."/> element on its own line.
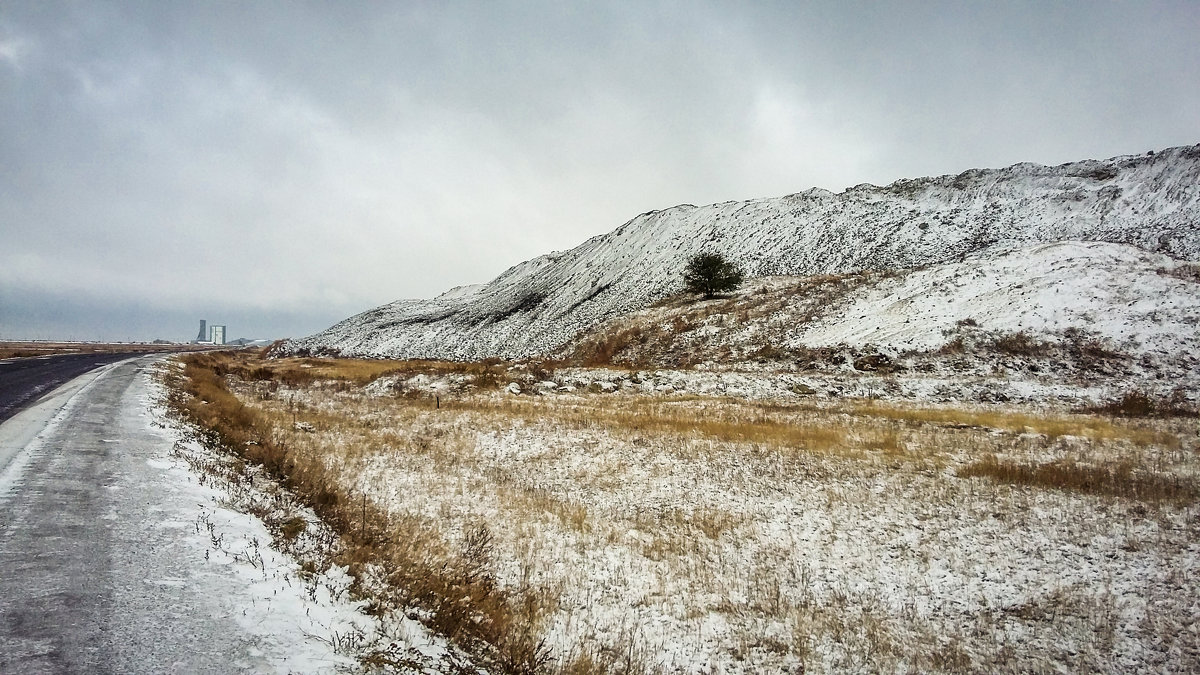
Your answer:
<point x="304" y="620"/>
<point x="299" y="624"/>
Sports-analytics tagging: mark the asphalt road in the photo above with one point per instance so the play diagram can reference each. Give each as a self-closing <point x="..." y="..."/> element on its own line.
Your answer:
<point x="23" y="381"/>
<point x="104" y="556"/>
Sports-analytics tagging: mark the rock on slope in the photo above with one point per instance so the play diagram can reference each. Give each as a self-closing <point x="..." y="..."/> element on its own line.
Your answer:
<point x="1151" y="201"/>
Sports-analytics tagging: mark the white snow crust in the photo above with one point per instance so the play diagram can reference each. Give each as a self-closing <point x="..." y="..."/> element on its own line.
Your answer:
<point x="297" y="622"/>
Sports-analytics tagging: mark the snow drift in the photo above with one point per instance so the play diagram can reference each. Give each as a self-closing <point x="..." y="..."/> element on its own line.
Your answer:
<point x="1149" y="201"/>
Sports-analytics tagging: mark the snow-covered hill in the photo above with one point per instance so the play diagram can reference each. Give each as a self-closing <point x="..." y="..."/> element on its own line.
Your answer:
<point x="1142" y="303"/>
<point x="1150" y="201"/>
<point x="1090" y="314"/>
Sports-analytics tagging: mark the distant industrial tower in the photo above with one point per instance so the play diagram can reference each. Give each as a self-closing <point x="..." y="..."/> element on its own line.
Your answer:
<point x="218" y="335"/>
<point x="203" y="335"/>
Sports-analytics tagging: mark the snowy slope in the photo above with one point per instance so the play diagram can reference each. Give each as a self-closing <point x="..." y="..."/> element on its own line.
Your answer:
<point x="1143" y="302"/>
<point x="1138" y="307"/>
<point x="1151" y="201"/>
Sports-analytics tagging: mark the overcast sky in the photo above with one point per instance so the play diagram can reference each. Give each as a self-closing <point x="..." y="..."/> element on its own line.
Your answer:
<point x="279" y="166"/>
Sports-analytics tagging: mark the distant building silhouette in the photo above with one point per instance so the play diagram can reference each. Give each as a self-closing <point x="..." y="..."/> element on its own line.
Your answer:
<point x="203" y="335"/>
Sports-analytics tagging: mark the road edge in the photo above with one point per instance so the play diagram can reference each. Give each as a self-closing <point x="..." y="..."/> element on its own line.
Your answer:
<point x="25" y="430"/>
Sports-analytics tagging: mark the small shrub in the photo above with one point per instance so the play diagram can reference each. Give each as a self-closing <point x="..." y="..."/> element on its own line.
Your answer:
<point x="955" y="346"/>
<point x="490" y="377"/>
<point x="770" y="352"/>
<point x="1087" y="348"/>
<point x="880" y="363"/>
<point x="1185" y="271"/>
<point x="477" y="552"/>
<point x="711" y="273"/>
<point x="292" y="528"/>
<point x="603" y="351"/>
<point x="682" y="325"/>
<point x="1020" y="344"/>
<point x="1132" y="404"/>
<point x="1137" y="403"/>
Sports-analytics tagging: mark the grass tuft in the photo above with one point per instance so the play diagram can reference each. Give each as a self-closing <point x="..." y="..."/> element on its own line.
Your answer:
<point x="1137" y="403"/>
<point x="1119" y="479"/>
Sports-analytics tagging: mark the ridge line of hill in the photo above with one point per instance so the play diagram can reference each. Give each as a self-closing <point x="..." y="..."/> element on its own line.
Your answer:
<point x="1150" y="201"/>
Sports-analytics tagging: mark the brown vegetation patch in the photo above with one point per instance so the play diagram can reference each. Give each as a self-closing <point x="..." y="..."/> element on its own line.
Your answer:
<point x="300" y="371"/>
<point x="507" y="520"/>
<point x="1021" y="344"/>
<point x="667" y="334"/>
<point x="27" y="349"/>
<point x="1052" y="425"/>
<point x="1185" y="271"/>
<point x="1137" y="403"/>
<point x="462" y="602"/>
<point x="1121" y="479"/>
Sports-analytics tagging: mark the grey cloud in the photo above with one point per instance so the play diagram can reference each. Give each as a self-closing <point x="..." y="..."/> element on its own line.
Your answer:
<point x="316" y="159"/>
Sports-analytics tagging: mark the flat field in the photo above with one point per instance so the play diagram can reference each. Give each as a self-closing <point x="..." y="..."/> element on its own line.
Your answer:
<point x="655" y="532"/>
<point x="26" y="349"/>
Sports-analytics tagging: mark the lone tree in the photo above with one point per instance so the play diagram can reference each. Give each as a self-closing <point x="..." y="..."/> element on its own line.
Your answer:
<point x="711" y="273"/>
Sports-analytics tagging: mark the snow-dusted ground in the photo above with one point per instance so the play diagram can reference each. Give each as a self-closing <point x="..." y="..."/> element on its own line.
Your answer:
<point x="1085" y="323"/>
<point x="649" y="539"/>
<point x="334" y="619"/>
<point x="302" y="622"/>
<point x="1144" y="303"/>
<point x="120" y="558"/>
<point x="1150" y="201"/>
<point x="703" y="497"/>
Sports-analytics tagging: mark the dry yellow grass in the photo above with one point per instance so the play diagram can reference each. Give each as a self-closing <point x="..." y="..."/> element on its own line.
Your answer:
<point x="721" y="420"/>
<point x="1053" y="425"/>
<point x="303" y="370"/>
<point x="424" y="570"/>
<point x="698" y="499"/>
<point x="1116" y="479"/>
